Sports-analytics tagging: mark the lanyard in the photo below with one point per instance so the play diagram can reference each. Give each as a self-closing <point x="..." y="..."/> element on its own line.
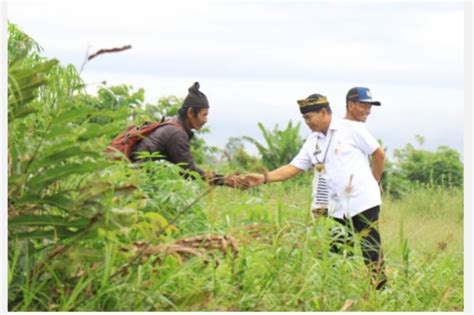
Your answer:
<point x="320" y="164"/>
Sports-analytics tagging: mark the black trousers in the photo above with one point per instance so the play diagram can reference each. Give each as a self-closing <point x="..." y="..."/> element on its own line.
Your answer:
<point x="366" y="225"/>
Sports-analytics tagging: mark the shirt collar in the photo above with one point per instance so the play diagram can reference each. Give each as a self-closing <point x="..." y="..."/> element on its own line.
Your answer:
<point x="186" y="126"/>
<point x="333" y="125"/>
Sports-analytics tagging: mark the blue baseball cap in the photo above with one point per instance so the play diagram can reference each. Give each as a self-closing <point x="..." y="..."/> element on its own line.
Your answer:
<point x="361" y="94"/>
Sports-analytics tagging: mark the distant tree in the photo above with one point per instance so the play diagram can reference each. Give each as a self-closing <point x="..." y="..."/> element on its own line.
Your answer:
<point x="420" y="140"/>
<point x="440" y="168"/>
<point x="166" y="107"/>
<point x="238" y="157"/>
<point x="394" y="180"/>
<point x="413" y="167"/>
<point x="114" y="98"/>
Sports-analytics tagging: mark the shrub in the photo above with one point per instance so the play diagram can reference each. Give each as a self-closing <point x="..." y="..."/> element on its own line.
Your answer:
<point x="281" y="145"/>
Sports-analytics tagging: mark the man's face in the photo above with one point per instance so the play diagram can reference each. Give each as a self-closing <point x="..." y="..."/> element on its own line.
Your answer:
<point x="359" y="111"/>
<point x="198" y="121"/>
<point x="314" y="120"/>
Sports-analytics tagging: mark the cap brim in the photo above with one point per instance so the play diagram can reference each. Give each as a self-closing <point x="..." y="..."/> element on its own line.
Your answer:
<point x="371" y="102"/>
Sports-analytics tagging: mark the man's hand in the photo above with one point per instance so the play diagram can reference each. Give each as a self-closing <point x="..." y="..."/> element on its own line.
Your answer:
<point x="244" y="181"/>
<point x="254" y="179"/>
<point x="381" y="187"/>
<point x="236" y="181"/>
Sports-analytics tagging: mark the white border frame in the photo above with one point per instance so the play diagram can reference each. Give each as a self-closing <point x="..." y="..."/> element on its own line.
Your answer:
<point x="468" y="144"/>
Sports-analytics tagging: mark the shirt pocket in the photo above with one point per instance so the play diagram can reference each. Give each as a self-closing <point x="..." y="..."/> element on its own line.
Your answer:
<point x="342" y="149"/>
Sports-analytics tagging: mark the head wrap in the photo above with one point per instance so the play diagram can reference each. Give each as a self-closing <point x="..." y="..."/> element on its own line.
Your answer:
<point x="195" y="98"/>
<point x="312" y="103"/>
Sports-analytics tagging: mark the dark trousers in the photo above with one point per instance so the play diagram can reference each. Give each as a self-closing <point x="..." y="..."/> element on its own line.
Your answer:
<point x="366" y="225"/>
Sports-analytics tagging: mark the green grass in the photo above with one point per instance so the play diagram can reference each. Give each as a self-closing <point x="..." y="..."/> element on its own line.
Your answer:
<point x="283" y="264"/>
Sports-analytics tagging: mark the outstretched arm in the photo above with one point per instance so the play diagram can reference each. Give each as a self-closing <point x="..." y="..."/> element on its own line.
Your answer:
<point x="280" y="174"/>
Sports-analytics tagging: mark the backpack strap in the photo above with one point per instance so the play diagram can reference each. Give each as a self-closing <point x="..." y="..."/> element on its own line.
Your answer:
<point x="171" y="122"/>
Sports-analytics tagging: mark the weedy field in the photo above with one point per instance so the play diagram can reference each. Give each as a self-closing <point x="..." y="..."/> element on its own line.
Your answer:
<point x="288" y="266"/>
<point x="266" y="254"/>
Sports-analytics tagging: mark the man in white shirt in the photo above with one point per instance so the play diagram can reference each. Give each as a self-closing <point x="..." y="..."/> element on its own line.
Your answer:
<point x="339" y="150"/>
<point x="358" y="107"/>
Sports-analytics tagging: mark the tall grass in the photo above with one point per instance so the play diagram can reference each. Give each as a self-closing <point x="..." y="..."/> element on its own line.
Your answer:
<point x="284" y="263"/>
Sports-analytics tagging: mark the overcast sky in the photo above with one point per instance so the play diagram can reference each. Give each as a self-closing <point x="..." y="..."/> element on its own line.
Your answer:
<point x="255" y="59"/>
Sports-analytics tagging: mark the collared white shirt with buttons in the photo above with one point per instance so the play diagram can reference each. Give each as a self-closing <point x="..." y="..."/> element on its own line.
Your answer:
<point x="351" y="185"/>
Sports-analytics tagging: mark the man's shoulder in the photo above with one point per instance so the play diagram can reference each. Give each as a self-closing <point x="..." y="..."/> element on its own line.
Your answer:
<point x="170" y="129"/>
<point x="312" y="136"/>
<point x="311" y="139"/>
<point x="346" y="123"/>
<point x="173" y="125"/>
<point x="350" y="126"/>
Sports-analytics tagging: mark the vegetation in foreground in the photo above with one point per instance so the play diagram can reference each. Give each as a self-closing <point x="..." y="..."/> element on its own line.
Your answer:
<point x="280" y="261"/>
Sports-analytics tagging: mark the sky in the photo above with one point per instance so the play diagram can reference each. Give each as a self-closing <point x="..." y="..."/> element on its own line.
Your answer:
<point x="254" y="59"/>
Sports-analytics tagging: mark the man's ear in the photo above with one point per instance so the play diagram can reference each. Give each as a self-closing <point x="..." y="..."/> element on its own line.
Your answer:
<point x="189" y="112"/>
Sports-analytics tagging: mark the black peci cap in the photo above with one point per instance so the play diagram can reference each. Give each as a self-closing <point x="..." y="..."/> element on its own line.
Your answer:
<point x="312" y="103"/>
<point x="195" y="98"/>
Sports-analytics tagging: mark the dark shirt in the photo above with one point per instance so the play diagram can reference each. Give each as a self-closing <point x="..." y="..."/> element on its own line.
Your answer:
<point x="173" y="143"/>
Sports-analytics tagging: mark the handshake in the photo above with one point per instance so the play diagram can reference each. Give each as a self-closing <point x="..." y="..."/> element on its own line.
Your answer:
<point x="245" y="181"/>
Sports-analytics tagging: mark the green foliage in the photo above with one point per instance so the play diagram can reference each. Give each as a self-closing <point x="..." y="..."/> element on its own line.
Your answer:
<point x="394" y="182"/>
<point x="21" y="45"/>
<point x="65" y="200"/>
<point x="159" y="184"/>
<point x="418" y="167"/>
<point x="238" y="158"/>
<point x="440" y="168"/>
<point x="53" y="164"/>
<point x="281" y="145"/>
<point x="23" y="85"/>
<point x="115" y="98"/>
<point x="166" y="107"/>
<point x="200" y="149"/>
